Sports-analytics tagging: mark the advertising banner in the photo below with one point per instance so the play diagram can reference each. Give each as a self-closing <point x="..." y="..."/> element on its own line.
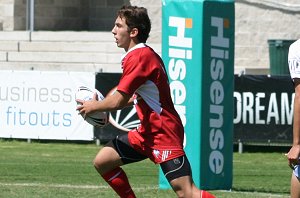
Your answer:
<point x="263" y="110"/>
<point x="41" y="105"/>
<point x="198" y="51"/>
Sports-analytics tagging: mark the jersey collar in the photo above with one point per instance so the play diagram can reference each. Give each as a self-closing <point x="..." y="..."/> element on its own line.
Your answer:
<point x="140" y="45"/>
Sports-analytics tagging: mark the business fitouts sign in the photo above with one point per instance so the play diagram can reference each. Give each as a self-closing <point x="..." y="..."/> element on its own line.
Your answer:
<point x="198" y="50"/>
<point x="41" y="105"/>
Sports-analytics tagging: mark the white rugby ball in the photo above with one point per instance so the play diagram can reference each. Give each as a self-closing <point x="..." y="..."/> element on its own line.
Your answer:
<point x="97" y="119"/>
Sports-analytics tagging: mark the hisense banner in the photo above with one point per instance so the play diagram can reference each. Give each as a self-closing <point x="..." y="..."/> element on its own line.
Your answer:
<point x="41" y="105"/>
<point x="198" y="51"/>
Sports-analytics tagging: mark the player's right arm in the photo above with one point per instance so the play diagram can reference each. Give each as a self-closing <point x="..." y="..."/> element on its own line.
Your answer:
<point x="294" y="153"/>
<point x="116" y="101"/>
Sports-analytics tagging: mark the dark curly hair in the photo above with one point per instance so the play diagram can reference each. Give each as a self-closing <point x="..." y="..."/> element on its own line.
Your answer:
<point x="136" y="17"/>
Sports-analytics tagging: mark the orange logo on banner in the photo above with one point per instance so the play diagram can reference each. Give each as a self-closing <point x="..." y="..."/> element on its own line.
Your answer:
<point x="226" y="23"/>
<point x="188" y="23"/>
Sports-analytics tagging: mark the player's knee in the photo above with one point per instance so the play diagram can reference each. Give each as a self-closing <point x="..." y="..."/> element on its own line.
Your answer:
<point x="100" y="164"/>
<point x="102" y="159"/>
<point x="105" y="163"/>
<point x="97" y="164"/>
<point x="183" y="193"/>
<point x="100" y="167"/>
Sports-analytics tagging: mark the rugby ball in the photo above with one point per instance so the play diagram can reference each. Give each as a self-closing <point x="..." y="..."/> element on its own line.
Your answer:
<point x="97" y="119"/>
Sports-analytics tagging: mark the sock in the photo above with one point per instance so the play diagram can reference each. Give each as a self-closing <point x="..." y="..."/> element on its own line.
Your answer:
<point x="205" y="194"/>
<point x="118" y="180"/>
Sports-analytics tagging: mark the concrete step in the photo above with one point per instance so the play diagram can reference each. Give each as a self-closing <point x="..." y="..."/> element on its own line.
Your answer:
<point x="72" y="36"/>
<point x="62" y="46"/>
<point x="3" y="56"/>
<point x="56" y="36"/>
<point x="52" y="66"/>
<point x="14" y="36"/>
<point x="62" y="50"/>
<point x="62" y="41"/>
<point x="9" y="46"/>
<point x="64" y="57"/>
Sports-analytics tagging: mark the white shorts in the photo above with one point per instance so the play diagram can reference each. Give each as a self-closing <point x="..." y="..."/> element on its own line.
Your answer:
<point x="296" y="171"/>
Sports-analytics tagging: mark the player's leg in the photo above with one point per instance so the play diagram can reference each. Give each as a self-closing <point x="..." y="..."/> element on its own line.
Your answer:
<point x="185" y="187"/>
<point x="108" y="161"/>
<point x="178" y="173"/>
<point x="295" y="183"/>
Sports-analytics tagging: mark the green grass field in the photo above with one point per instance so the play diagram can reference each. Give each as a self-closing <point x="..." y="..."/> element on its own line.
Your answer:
<point x="64" y="170"/>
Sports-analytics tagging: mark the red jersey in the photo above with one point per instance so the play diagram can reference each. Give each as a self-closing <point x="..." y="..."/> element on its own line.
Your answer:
<point x="160" y="134"/>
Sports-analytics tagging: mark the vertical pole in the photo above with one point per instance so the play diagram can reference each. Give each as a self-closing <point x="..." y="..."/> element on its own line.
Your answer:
<point x="98" y="142"/>
<point x="240" y="147"/>
<point x="30" y="16"/>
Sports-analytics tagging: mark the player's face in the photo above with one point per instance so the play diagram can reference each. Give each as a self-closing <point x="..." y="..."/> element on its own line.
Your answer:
<point x="121" y="33"/>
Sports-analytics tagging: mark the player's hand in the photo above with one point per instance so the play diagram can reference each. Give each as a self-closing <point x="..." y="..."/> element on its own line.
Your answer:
<point x="293" y="156"/>
<point x="86" y="107"/>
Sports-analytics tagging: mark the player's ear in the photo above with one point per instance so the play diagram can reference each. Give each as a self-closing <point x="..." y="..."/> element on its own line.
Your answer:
<point x="134" y="32"/>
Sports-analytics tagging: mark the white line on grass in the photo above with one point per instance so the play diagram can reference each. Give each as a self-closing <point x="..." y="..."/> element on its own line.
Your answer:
<point x="259" y="194"/>
<point x="72" y="186"/>
<point x="53" y="185"/>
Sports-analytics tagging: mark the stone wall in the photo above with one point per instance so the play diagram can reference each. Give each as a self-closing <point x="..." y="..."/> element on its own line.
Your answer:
<point x="78" y="15"/>
<point x="102" y="14"/>
<point x="6" y="14"/>
<point x="53" y="14"/>
<point x="56" y="15"/>
<point x="154" y="12"/>
<point x="256" y="22"/>
<point x="61" y="14"/>
<point x="84" y="15"/>
<point x="20" y="14"/>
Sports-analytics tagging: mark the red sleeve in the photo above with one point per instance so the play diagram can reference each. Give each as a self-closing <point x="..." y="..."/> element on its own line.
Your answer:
<point x="134" y="74"/>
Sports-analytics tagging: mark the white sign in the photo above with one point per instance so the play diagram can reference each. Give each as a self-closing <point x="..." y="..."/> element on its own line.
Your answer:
<point x="41" y="105"/>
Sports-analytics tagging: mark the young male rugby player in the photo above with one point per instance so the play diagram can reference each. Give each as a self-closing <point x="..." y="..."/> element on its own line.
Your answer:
<point x="159" y="137"/>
